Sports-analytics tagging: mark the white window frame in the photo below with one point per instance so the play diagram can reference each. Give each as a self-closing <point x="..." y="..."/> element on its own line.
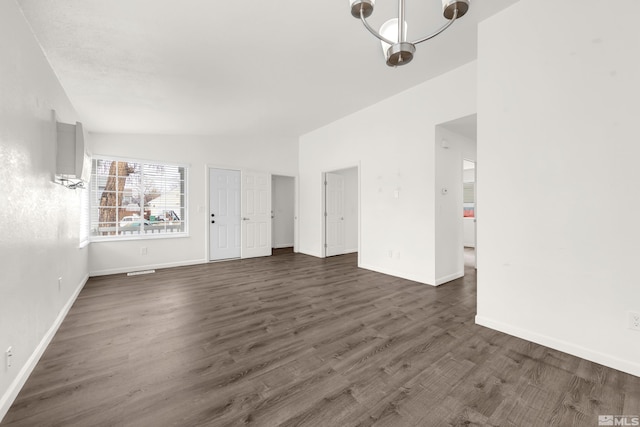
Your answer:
<point x="145" y="236"/>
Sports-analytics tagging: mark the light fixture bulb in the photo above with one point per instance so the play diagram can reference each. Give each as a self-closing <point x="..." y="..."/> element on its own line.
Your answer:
<point x="389" y="30"/>
<point x="401" y="52"/>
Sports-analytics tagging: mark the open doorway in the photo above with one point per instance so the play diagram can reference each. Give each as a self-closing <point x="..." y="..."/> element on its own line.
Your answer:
<point x="341" y="212"/>
<point x="469" y="211"/>
<point x="455" y="143"/>
<point x="282" y="213"/>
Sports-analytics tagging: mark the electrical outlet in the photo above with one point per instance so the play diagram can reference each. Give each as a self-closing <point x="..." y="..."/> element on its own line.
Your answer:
<point x="9" y="356"/>
<point x="143" y="250"/>
<point x="634" y="320"/>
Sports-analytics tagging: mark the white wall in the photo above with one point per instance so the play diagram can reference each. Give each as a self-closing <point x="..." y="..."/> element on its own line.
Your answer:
<point x="39" y="220"/>
<point x="391" y="158"/>
<point x="198" y="152"/>
<point x="559" y="95"/>
<point x="449" y="230"/>
<point x="283" y="206"/>
<point x="350" y="177"/>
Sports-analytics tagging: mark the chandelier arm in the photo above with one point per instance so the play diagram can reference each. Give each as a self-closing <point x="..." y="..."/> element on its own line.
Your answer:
<point x="372" y="31"/>
<point x="447" y="25"/>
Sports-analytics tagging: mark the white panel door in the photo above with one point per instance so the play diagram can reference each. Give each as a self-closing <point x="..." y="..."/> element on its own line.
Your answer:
<point x="334" y="214"/>
<point x="256" y="214"/>
<point x="224" y="214"/>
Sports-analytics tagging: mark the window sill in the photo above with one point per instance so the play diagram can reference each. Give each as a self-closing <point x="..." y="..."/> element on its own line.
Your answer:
<point x="97" y="239"/>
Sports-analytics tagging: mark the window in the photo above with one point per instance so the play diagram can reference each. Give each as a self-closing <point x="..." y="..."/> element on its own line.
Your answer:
<point x="137" y="199"/>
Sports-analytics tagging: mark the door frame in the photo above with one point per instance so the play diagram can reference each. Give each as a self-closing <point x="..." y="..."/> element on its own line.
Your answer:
<point x="323" y="206"/>
<point x="295" y="206"/>
<point x="475" y="208"/>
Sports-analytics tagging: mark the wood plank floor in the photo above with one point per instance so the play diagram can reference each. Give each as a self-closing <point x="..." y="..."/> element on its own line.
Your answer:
<point x="295" y="340"/>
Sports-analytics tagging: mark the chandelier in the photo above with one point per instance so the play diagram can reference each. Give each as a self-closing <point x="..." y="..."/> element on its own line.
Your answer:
<point x="393" y="33"/>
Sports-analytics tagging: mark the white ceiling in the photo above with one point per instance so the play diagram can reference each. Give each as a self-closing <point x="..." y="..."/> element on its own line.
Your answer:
<point x="235" y="68"/>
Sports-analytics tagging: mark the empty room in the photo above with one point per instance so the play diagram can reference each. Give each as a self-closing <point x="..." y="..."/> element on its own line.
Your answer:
<point x="361" y="213"/>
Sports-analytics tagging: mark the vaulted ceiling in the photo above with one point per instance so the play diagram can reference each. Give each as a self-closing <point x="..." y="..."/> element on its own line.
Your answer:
<point x="235" y="68"/>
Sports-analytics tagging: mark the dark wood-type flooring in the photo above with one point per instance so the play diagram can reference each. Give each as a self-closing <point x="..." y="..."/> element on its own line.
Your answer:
<point x="295" y="340"/>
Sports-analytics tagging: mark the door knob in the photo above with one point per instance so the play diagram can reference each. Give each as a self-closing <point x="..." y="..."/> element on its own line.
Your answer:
<point x="245" y="219"/>
<point x="213" y="215"/>
<point x="213" y="222"/>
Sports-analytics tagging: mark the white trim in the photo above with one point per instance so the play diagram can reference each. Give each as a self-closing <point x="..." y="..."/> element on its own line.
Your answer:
<point x="16" y="385"/>
<point x="296" y="214"/>
<point x="627" y="366"/>
<point x="450" y="277"/>
<point x="145" y="236"/>
<point x="323" y="211"/>
<point x="393" y="273"/>
<point x="146" y="267"/>
<point x="359" y="211"/>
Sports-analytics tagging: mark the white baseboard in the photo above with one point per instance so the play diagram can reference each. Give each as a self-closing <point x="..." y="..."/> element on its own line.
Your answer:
<point x="394" y="274"/>
<point x="16" y="385"/>
<point x="120" y="270"/>
<point x="450" y="277"/>
<point x="627" y="366"/>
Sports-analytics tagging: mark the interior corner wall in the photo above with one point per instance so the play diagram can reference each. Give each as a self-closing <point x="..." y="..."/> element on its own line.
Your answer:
<point x="278" y="156"/>
<point x="393" y="160"/>
<point x="449" y="227"/>
<point x="558" y="95"/>
<point x="39" y="220"/>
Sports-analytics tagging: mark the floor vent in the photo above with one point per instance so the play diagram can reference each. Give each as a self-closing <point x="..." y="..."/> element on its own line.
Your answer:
<point x="137" y="273"/>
